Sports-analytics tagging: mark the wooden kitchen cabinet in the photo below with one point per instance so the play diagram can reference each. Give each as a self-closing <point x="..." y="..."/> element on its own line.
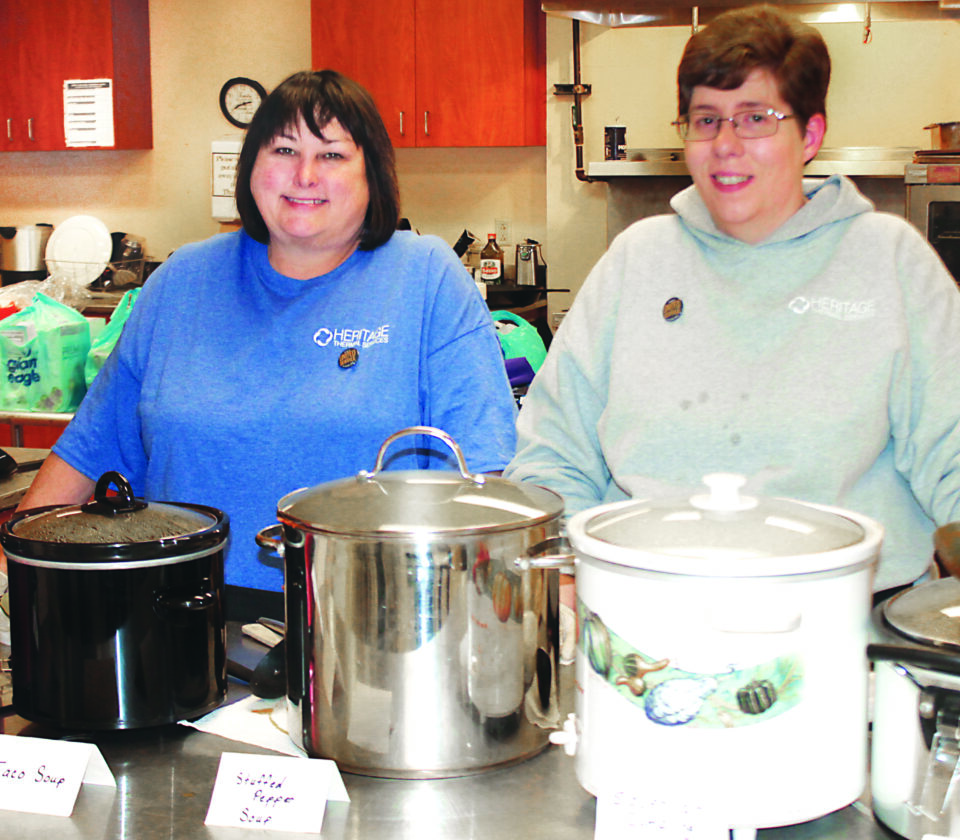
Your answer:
<point x="41" y="47"/>
<point x="470" y="73"/>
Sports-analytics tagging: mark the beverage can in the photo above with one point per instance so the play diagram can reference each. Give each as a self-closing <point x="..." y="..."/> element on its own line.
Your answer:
<point x="615" y="142"/>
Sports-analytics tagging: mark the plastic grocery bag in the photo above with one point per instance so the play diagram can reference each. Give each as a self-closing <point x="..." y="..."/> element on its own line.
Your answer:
<point x="519" y="338"/>
<point x="102" y="346"/>
<point x="42" y="352"/>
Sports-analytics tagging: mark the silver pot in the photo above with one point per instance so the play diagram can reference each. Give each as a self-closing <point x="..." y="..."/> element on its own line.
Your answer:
<point x="916" y="740"/>
<point x="422" y="639"/>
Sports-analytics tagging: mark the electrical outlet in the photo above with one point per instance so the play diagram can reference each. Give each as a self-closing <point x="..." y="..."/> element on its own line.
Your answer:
<point x="502" y="227"/>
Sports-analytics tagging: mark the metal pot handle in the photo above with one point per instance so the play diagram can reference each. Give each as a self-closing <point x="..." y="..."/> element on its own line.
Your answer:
<point x="552" y="553"/>
<point x="432" y="431"/>
<point x="271" y="538"/>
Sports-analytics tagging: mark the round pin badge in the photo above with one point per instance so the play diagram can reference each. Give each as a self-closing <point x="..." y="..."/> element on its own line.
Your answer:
<point x="672" y="309"/>
<point x="349" y="357"/>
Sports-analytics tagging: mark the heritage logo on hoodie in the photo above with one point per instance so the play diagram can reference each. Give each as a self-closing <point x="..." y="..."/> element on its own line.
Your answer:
<point x="842" y="310"/>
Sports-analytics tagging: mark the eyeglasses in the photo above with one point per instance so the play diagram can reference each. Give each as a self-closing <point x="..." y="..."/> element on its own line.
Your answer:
<point x="747" y="125"/>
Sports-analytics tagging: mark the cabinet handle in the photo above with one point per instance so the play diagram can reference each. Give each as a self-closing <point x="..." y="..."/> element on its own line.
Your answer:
<point x="401" y="124"/>
<point x="426" y="123"/>
<point x="30" y="129"/>
<point x="10" y="128"/>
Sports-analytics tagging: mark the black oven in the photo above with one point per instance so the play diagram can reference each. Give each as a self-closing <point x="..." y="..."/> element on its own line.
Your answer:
<point x="933" y="202"/>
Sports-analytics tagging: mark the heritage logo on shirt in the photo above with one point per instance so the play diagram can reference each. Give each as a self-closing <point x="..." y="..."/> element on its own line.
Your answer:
<point x="347" y="337"/>
<point x="842" y="310"/>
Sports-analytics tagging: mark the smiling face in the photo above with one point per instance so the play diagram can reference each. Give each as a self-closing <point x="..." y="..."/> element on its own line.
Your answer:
<point x="751" y="187"/>
<point x="313" y="195"/>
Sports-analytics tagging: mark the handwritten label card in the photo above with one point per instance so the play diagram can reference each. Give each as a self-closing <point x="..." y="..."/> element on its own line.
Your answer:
<point x="274" y="792"/>
<point x="40" y="776"/>
<point x="642" y="817"/>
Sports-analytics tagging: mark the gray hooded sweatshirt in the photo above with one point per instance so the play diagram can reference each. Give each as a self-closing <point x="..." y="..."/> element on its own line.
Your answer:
<point x="823" y="364"/>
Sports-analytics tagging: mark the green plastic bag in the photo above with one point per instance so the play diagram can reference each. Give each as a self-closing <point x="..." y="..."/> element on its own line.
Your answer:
<point x="519" y="338"/>
<point x="104" y="343"/>
<point x="42" y="352"/>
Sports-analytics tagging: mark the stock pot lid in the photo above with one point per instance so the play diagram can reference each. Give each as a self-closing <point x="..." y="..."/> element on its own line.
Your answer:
<point x="415" y="501"/>
<point x="113" y="527"/>
<point x="725" y="533"/>
<point x="928" y="613"/>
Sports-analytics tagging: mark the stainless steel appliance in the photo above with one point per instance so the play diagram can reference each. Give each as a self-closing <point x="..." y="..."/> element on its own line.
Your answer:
<point x="21" y="252"/>
<point x="933" y="201"/>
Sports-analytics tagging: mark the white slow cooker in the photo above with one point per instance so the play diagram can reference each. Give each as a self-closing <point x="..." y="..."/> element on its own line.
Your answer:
<point x="721" y="653"/>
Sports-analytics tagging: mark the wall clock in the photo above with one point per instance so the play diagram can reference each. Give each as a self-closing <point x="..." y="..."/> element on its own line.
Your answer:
<point x="239" y="99"/>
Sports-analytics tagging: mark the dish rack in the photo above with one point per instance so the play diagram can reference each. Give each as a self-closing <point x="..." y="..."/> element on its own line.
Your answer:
<point x="118" y="274"/>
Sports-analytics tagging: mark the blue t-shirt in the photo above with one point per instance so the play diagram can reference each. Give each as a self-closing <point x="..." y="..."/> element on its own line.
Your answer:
<point x="233" y="385"/>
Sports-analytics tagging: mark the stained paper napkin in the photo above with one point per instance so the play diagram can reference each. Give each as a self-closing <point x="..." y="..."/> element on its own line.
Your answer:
<point x="253" y="720"/>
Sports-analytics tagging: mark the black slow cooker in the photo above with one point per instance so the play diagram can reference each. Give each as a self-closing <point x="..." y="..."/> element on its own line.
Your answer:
<point x="116" y="610"/>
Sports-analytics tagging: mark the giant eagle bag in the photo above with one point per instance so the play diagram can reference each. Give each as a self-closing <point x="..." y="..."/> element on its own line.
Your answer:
<point x="43" y="349"/>
<point x="102" y="346"/>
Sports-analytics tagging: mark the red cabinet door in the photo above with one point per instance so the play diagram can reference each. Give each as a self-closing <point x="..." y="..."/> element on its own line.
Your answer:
<point x="469" y="72"/>
<point x="372" y="42"/>
<point x="82" y="39"/>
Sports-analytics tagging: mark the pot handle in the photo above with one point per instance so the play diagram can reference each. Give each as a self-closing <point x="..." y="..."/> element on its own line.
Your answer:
<point x="271" y="538"/>
<point x="178" y="602"/>
<point x="920" y="657"/>
<point x="552" y="553"/>
<point x="432" y="431"/>
<point x="123" y="502"/>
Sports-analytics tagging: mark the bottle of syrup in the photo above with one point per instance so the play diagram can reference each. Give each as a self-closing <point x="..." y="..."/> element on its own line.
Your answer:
<point x="491" y="261"/>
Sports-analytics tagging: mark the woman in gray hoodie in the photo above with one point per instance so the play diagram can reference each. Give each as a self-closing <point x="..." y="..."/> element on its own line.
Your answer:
<point x="773" y="326"/>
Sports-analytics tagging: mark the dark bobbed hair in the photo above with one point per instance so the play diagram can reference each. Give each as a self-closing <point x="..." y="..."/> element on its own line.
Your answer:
<point x="319" y="97"/>
<point x="730" y="47"/>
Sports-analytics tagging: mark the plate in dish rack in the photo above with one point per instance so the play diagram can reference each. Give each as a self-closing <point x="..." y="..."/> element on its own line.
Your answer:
<point x="79" y="248"/>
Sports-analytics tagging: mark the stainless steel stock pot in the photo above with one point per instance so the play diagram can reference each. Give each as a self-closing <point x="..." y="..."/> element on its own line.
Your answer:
<point x="421" y="631"/>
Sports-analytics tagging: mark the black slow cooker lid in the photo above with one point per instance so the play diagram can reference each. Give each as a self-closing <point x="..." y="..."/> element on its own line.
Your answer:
<point x="113" y="527"/>
<point x="928" y="613"/>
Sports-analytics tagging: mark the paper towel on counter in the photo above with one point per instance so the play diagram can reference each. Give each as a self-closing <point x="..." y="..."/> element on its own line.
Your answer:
<point x="253" y="720"/>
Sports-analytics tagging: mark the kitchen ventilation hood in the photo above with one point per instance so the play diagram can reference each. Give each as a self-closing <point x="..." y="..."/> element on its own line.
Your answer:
<point x="616" y="13"/>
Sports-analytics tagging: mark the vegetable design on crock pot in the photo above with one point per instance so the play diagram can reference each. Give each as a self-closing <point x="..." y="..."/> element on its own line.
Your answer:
<point x="596" y="644"/>
<point x="678" y="701"/>
<point x="756" y="697"/>
<point x="635" y="667"/>
<point x="671" y="695"/>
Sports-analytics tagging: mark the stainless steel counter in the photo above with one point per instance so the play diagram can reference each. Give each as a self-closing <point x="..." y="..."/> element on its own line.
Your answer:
<point x="165" y="777"/>
<point x="13" y="488"/>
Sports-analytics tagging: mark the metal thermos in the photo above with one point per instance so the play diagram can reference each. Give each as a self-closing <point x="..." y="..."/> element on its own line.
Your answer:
<point x="530" y="264"/>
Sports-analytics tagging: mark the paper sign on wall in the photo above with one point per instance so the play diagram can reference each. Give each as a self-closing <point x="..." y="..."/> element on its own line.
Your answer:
<point x="88" y="112"/>
<point x="274" y="792"/>
<point x="41" y="776"/>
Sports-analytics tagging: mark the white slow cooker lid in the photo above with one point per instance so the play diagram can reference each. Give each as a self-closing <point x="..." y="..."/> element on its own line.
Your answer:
<point x="722" y="532"/>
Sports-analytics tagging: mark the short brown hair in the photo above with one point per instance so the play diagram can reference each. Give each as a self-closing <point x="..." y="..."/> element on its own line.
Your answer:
<point x="735" y="43"/>
<point x="320" y="96"/>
